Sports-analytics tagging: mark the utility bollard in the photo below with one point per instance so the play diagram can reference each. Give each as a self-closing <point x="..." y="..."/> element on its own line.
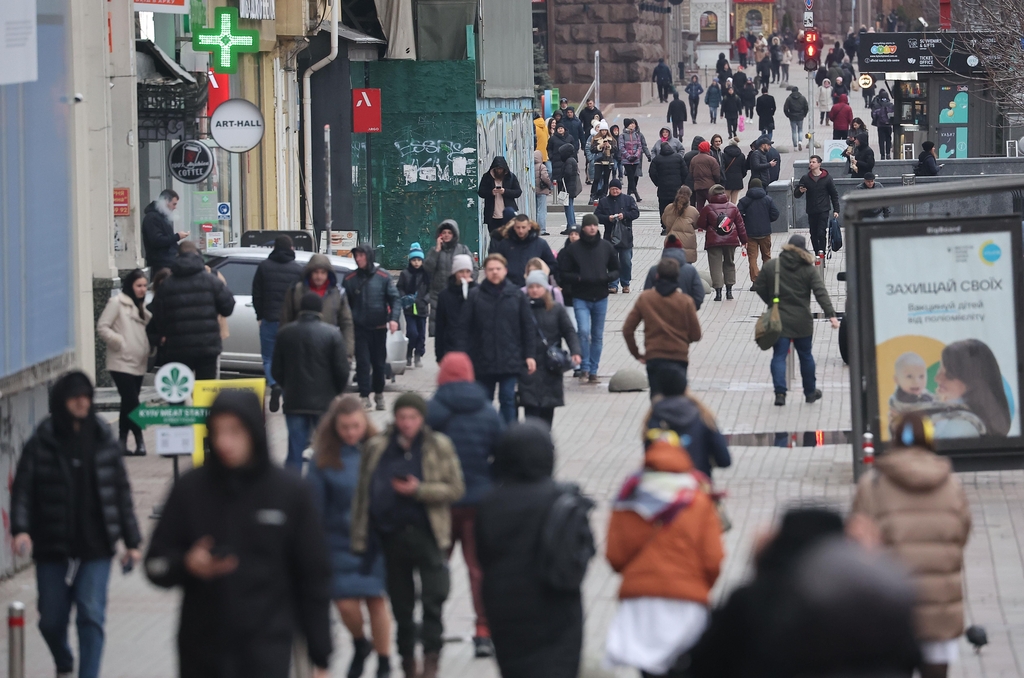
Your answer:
<point x="868" y="450"/>
<point x="16" y="640"/>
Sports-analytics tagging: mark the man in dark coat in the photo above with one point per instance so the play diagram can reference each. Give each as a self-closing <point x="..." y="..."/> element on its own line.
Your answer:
<point x="461" y="410"/>
<point x="760" y="166"/>
<point x="70" y="505"/>
<point x="373" y="296"/>
<point x="863" y="160"/>
<point x="618" y="206"/>
<point x="589" y="114"/>
<point x="449" y="306"/>
<point x="274" y="277"/>
<point x="795" y="109"/>
<point x="537" y="631"/>
<point x="798" y="278"/>
<point x="589" y="266"/>
<point x="822" y="201"/>
<point x="688" y="281"/>
<point x="311" y="365"/>
<point x="499" y="189"/>
<point x="677" y="113"/>
<point x="244" y="540"/>
<point x="668" y="172"/>
<point x="574" y="128"/>
<point x="766" y="113"/>
<point x="521" y="243"/>
<point x="498" y="334"/>
<point x="438" y="263"/>
<point x="759" y="211"/>
<point x="662" y="75"/>
<point x="158" y="236"/>
<point x="185" y="310"/>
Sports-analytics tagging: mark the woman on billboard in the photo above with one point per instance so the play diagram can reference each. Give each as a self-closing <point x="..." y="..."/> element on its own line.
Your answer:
<point x="971" y="392"/>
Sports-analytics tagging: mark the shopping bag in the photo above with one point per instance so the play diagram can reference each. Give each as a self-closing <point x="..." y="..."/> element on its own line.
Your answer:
<point x="742" y="125"/>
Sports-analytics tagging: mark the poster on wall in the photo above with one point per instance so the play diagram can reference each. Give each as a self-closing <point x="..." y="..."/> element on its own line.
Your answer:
<point x="952" y="105"/>
<point x="945" y="340"/>
<point x="834" y="149"/>
<point x="951" y="142"/>
<point x="19" y="53"/>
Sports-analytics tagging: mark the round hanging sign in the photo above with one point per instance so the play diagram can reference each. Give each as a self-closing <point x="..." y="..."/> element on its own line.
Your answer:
<point x="190" y="161"/>
<point x="237" y="125"/>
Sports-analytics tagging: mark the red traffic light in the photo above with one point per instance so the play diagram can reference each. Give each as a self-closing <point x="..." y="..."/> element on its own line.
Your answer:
<point x="812" y="49"/>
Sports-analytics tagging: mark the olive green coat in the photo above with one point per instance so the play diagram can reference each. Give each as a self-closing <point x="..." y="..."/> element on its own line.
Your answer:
<point x="798" y="279"/>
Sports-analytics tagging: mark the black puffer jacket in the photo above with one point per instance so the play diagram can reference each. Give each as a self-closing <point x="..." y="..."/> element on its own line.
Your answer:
<point x="517" y="251"/>
<point x="186" y="307"/>
<point x="734" y="167"/>
<point x="462" y="411"/>
<point x="270" y="285"/>
<point x="544" y="388"/>
<point x="310" y="364"/>
<point x="588" y="265"/>
<point x="509" y="182"/>
<point x="497" y="330"/>
<point x="555" y="143"/>
<point x="43" y="502"/>
<point x="537" y="631"/>
<point x="449" y="333"/>
<point x="414" y="287"/>
<point x="668" y="172"/>
<point x="244" y="623"/>
<point x="759" y="211"/>
<point x="372" y="294"/>
<point x="159" y="238"/>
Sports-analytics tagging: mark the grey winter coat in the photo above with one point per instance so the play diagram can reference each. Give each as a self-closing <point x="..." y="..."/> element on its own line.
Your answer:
<point x="438" y="264"/>
<point x="544" y="388"/>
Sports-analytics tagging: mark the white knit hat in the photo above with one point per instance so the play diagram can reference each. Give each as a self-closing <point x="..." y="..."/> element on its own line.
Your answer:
<point x="462" y="262"/>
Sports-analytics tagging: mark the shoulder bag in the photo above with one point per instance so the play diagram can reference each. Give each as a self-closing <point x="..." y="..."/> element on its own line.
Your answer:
<point x="769" y="326"/>
<point x="556" y="359"/>
<point x="622" y="235"/>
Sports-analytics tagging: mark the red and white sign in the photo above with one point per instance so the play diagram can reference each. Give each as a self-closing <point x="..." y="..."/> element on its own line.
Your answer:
<point x="122" y="202"/>
<point x="218" y="90"/>
<point x="166" y="6"/>
<point x="365" y="111"/>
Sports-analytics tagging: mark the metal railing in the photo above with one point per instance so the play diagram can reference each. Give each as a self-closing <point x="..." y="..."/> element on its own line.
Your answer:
<point x="595" y="86"/>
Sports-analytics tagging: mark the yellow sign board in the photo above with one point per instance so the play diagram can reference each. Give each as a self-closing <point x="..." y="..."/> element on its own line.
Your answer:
<point x="203" y="395"/>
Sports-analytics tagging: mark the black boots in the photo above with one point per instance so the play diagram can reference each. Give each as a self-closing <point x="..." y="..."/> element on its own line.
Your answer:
<point x="728" y="291"/>
<point x="275" y="398"/>
<point x="718" y="294"/>
<point x="363" y="649"/>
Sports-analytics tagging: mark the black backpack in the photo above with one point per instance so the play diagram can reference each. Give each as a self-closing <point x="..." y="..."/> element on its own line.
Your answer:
<point x="566" y="542"/>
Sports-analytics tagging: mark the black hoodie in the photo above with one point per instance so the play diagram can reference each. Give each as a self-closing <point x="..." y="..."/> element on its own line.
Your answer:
<point x="186" y="307"/>
<point x="372" y="294"/>
<point x="274" y="277"/>
<point x="864" y="156"/>
<point x="509" y="182"/>
<point x="243" y="623"/>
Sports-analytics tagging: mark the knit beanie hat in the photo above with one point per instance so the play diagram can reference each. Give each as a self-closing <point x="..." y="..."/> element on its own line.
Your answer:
<point x="756" y="183"/>
<point x="799" y="241"/>
<point x="717" y="189"/>
<point x="591" y="219"/>
<point x="311" y="301"/>
<point x="462" y="262"/>
<point x="704" y="147"/>
<point x="413" y="400"/>
<point x="415" y="251"/>
<point x="455" y="366"/>
<point x="672" y="242"/>
<point x="614" y="183"/>
<point x="537" y="278"/>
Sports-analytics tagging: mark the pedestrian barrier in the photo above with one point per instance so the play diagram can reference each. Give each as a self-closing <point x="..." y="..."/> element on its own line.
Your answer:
<point x="16" y="640"/>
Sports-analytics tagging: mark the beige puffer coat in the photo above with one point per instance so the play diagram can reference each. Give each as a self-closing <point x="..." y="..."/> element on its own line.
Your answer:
<point x="681" y="225"/>
<point x="123" y="330"/>
<point x="922" y="513"/>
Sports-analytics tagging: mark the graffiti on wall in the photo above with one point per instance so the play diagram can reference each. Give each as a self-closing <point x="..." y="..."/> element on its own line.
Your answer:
<point x="427" y="155"/>
<point x="509" y="134"/>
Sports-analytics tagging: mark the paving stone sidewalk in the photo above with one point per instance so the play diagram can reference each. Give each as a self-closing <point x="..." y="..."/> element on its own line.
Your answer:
<point x="598" y="445"/>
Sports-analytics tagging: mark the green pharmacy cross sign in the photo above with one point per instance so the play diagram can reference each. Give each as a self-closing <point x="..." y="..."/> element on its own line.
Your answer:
<point x="225" y="40"/>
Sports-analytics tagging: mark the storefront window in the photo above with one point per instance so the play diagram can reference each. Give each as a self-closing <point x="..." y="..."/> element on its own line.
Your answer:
<point x="755" y="22"/>
<point x="709" y="27"/>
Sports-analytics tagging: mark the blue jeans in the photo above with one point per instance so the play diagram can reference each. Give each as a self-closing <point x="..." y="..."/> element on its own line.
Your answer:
<point x="88" y="593"/>
<point x="590" y="320"/>
<point x="797" y="128"/>
<point x="268" y="337"/>
<point x="803" y="349"/>
<point x="570" y="214"/>
<point x="625" y="268"/>
<point x="542" y="212"/>
<point x="506" y="384"/>
<point x="300" y="430"/>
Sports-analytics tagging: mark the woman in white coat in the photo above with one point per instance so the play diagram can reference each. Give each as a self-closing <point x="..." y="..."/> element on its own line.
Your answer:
<point x="122" y="327"/>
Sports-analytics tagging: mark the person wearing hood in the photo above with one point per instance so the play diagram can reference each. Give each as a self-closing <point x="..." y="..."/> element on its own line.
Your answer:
<point x="862" y="162"/>
<point x="574" y="127"/>
<point x="244" y="541"/>
<point x="569" y="180"/>
<point x="520" y="243"/>
<point x="705" y="173"/>
<point x="499" y="189"/>
<point x="449" y="333"/>
<point x="841" y="116"/>
<point x="734" y="169"/>
<point x="665" y="138"/>
<point x="882" y="115"/>
<point x="632" y="150"/>
<point x="722" y="67"/>
<point x="542" y="190"/>
<point x="679" y="218"/>
<point x="274" y="277"/>
<point x="662" y="75"/>
<point x="617" y="206"/>
<point x="541" y="391"/>
<point x="605" y="152"/>
<point x="824" y="101"/>
<point x="798" y="279"/>
<point x="185" y="310"/>
<point x="670" y="325"/>
<point x="665" y="539"/>
<point x="70" y="504"/>
<point x="912" y="505"/>
<point x="158" y="236"/>
<point x="822" y="201"/>
<point x="723" y="225"/>
<point x="693" y="91"/>
<point x="766" y="113"/>
<point x="318" y="276"/>
<point x="409" y="476"/>
<point x="795" y="109"/>
<point x="375" y="304"/>
<point x="713" y="99"/>
<point x="438" y="264"/>
<point x="692" y="421"/>
<point x="311" y="365"/>
<point x="759" y="211"/>
<point x="537" y="629"/>
<point x="676" y="114"/>
<point x="668" y="173"/>
<point x="732" y="108"/>
<point x="461" y="410"/>
<point x="122" y="327"/>
<point x="414" y="286"/>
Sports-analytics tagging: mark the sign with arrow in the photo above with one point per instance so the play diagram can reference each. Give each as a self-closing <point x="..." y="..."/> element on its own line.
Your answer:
<point x="366" y="111"/>
<point x="168" y="415"/>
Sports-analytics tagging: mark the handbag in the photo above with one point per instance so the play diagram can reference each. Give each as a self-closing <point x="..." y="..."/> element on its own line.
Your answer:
<point x="556" y="359"/>
<point x="769" y="326"/>
<point x="835" y="236"/>
<point x="622" y="236"/>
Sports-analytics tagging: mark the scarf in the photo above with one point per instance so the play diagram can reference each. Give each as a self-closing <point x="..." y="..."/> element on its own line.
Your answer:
<point x="657" y="496"/>
<point x="320" y="290"/>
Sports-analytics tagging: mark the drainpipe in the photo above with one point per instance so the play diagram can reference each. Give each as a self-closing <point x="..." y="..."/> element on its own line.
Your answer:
<point x="307" y="111"/>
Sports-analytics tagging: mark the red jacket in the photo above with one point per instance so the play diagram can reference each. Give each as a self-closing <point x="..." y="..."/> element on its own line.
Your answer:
<point x="741" y="45"/>
<point x="841" y="114"/>
<point x="719" y="204"/>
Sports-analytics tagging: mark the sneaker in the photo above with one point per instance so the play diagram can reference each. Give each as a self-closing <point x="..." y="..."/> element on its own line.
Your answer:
<point x="592" y="379"/>
<point x="565" y="232"/>
<point x="583" y="376"/>
<point x="367" y="405"/>
<point x="544" y="233"/>
<point x="613" y="290"/>
<point x="814" y="396"/>
<point x="625" y="289"/>
<point x="379" y="399"/>
<point x="482" y="647"/>
<point x="780" y="399"/>
<point x="275" y="398"/>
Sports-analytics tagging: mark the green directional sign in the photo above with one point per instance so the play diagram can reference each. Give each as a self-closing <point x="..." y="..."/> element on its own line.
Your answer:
<point x="225" y="39"/>
<point x="168" y="415"/>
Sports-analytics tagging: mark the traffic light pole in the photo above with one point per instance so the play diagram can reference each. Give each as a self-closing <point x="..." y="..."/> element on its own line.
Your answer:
<point x="812" y="96"/>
